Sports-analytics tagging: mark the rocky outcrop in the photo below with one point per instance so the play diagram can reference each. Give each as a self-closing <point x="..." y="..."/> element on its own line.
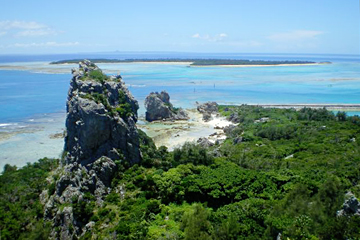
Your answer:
<point x="158" y="107"/>
<point x="100" y="130"/>
<point x="350" y="207"/>
<point x="207" y="109"/>
<point x="204" y="142"/>
<point x="234" y="117"/>
<point x="101" y="117"/>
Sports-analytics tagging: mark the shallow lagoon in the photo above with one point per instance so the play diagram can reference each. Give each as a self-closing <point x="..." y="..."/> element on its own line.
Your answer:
<point x="30" y="90"/>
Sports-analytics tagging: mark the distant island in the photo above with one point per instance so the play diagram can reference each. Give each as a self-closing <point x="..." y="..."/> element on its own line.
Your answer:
<point x="197" y="62"/>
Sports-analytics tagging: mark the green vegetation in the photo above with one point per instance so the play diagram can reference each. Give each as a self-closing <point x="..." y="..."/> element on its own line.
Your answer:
<point x="288" y="175"/>
<point x="96" y="75"/>
<point x="123" y="108"/>
<point x="194" y="61"/>
<point x="21" y="213"/>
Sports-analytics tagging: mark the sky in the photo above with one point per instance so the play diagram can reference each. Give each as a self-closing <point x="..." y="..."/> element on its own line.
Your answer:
<point x="211" y="26"/>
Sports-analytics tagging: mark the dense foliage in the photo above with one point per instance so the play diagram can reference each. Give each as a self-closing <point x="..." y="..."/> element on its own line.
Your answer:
<point x="21" y="213"/>
<point x="95" y="75"/>
<point x="280" y="172"/>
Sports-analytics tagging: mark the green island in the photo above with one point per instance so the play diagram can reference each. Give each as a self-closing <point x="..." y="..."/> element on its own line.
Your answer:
<point x="194" y="62"/>
<point x="289" y="175"/>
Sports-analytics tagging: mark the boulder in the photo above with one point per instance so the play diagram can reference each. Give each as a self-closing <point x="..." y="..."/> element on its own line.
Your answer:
<point x="158" y="107"/>
<point x="234" y="117"/>
<point x="204" y="142"/>
<point x="228" y="130"/>
<point x="207" y="109"/>
<point x="350" y="207"/>
<point x="237" y="140"/>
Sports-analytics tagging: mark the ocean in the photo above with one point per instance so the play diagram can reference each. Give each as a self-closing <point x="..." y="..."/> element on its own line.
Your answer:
<point x="33" y="93"/>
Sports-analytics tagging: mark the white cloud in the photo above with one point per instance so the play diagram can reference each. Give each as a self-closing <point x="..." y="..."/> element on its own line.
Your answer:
<point x="297" y="35"/>
<point x="37" y="32"/>
<point x="207" y="37"/>
<point x="3" y="33"/>
<point x="27" y="29"/>
<point x="45" y="44"/>
<point x="20" y="25"/>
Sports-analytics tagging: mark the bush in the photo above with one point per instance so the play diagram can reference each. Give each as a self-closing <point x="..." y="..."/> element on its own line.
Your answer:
<point x="192" y="153"/>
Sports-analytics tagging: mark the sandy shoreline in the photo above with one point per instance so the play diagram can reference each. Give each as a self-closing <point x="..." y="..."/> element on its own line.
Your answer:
<point x="174" y="134"/>
<point x="161" y="63"/>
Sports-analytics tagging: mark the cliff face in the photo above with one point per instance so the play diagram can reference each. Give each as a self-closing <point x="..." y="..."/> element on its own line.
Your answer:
<point x="101" y="117"/>
<point x="100" y="125"/>
<point x="158" y="107"/>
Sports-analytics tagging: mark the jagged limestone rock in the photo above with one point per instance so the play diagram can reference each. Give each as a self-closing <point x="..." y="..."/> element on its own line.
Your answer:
<point x="158" y="107"/>
<point x="350" y="207"/>
<point x="234" y="117"/>
<point x="207" y="109"/>
<point x="204" y="142"/>
<point x="101" y="117"/>
<point x="100" y="129"/>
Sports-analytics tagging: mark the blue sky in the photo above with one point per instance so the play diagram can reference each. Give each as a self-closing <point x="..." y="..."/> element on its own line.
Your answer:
<point x="237" y="26"/>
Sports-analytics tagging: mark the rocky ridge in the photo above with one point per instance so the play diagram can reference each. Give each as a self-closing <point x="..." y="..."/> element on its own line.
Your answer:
<point x="158" y="107"/>
<point x="100" y="131"/>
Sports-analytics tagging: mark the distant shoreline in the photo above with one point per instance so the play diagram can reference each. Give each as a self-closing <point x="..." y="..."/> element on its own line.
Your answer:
<point x="330" y="106"/>
<point x="265" y="65"/>
<point x="201" y="62"/>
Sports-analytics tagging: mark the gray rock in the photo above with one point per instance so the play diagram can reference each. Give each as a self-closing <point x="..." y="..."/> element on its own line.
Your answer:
<point x="228" y="130"/>
<point x="207" y="109"/>
<point x="216" y="153"/>
<point x="94" y="127"/>
<point x="350" y="207"/>
<point x="234" y="118"/>
<point x="204" y="142"/>
<point x="207" y="116"/>
<point x="63" y="219"/>
<point x="238" y="140"/>
<point x="100" y="128"/>
<point x="89" y="226"/>
<point x="158" y="107"/>
<point x="219" y="141"/>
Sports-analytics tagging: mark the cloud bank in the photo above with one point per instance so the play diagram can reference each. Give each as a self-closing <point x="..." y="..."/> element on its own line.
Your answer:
<point x="25" y="29"/>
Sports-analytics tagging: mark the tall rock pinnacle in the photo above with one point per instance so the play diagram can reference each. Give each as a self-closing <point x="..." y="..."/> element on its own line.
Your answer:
<point x="100" y="130"/>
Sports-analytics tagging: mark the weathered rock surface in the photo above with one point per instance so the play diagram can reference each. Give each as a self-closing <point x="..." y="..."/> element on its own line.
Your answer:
<point x="207" y="109"/>
<point x="100" y="129"/>
<point x="158" y="107"/>
<point x="204" y="142"/>
<point x="350" y="207"/>
<point x="94" y="126"/>
<point x="234" y="117"/>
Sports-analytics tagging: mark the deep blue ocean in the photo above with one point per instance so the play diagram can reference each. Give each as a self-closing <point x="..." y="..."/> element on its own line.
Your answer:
<point x="33" y="93"/>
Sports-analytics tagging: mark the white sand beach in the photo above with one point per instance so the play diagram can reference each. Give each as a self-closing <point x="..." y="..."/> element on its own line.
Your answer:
<point x="174" y="134"/>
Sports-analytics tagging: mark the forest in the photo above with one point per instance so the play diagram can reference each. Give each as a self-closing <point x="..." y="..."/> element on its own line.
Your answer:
<point x="284" y="177"/>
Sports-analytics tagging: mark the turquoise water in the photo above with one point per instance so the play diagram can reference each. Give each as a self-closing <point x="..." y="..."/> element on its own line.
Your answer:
<point x="38" y="90"/>
<point x="335" y="83"/>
